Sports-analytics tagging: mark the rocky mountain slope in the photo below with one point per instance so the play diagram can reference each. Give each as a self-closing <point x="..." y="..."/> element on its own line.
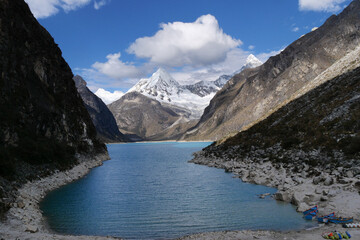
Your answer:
<point x="43" y="122"/>
<point x="253" y="94"/>
<point x="101" y="116"/>
<point x="141" y="116"/>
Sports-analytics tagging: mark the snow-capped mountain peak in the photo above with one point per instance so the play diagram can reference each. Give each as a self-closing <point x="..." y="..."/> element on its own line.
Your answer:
<point x="162" y="77"/>
<point x="251" y="62"/>
<point x="160" y="86"/>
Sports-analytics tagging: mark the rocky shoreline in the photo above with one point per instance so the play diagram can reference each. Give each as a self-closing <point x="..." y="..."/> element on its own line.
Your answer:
<point x="335" y="190"/>
<point x="24" y="220"/>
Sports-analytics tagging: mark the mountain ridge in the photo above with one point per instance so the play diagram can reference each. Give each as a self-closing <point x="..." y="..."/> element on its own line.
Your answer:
<point x="101" y="116"/>
<point x="252" y="93"/>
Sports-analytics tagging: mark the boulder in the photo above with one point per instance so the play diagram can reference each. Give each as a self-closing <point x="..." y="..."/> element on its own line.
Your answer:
<point x="302" y="207"/>
<point x="317" y="180"/>
<point x="343" y="181"/>
<point x="328" y="181"/>
<point x="31" y="229"/>
<point x="282" y="196"/>
<point x="349" y="174"/>
<point x="298" y="198"/>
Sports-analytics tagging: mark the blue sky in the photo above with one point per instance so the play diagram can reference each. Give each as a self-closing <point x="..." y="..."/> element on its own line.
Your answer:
<point x="113" y="43"/>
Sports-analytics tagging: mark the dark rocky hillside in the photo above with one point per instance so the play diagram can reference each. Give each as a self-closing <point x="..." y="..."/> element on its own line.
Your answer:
<point x="101" y="116"/>
<point x="43" y="122"/>
<point x="141" y="117"/>
<point x="253" y="94"/>
<point x="320" y="129"/>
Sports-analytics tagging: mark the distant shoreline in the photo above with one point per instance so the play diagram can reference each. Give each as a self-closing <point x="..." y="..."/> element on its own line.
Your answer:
<point x="170" y="141"/>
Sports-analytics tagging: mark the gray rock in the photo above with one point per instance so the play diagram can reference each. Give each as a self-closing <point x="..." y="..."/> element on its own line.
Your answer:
<point x="343" y="181"/>
<point x="349" y="174"/>
<point x="282" y="196"/>
<point x="31" y="229"/>
<point x="20" y="204"/>
<point x="317" y="180"/>
<point x="302" y="207"/>
<point x="297" y="199"/>
<point x="262" y="196"/>
<point x="328" y="181"/>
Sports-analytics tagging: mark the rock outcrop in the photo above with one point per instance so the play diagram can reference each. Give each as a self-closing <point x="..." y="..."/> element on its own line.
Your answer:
<point x="101" y="116"/>
<point x="43" y="122"/>
<point x="254" y="94"/>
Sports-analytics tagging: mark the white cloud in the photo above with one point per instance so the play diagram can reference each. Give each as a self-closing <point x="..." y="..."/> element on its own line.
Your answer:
<point x="117" y="69"/>
<point x="176" y="44"/>
<point x="295" y="29"/>
<point x="234" y="60"/>
<point x="251" y="47"/>
<point x="43" y="8"/>
<point x="101" y="3"/>
<point x="320" y="5"/>
<point x="96" y="80"/>
<point x="108" y="97"/>
<point x="47" y="8"/>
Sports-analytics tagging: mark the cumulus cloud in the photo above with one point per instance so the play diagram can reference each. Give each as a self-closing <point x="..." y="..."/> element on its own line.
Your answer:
<point x="117" y="69"/>
<point x="47" y="8"/>
<point x="176" y="44"/>
<point x="108" y="97"/>
<point x="234" y="60"/>
<point x="321" y="5"/>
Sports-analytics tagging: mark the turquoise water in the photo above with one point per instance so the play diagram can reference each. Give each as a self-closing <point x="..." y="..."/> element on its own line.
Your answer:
<point x="149" y="191"/>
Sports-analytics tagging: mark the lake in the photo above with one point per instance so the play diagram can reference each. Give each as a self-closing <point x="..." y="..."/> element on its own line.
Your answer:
<point x="150" y="191"/>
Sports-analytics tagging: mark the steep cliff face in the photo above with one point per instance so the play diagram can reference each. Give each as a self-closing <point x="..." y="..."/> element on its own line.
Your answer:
<point x="43" y="122"/>
<point x="138" y="115"/>
<point x="101" y="116"/>
<point x="256" y="93"/>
